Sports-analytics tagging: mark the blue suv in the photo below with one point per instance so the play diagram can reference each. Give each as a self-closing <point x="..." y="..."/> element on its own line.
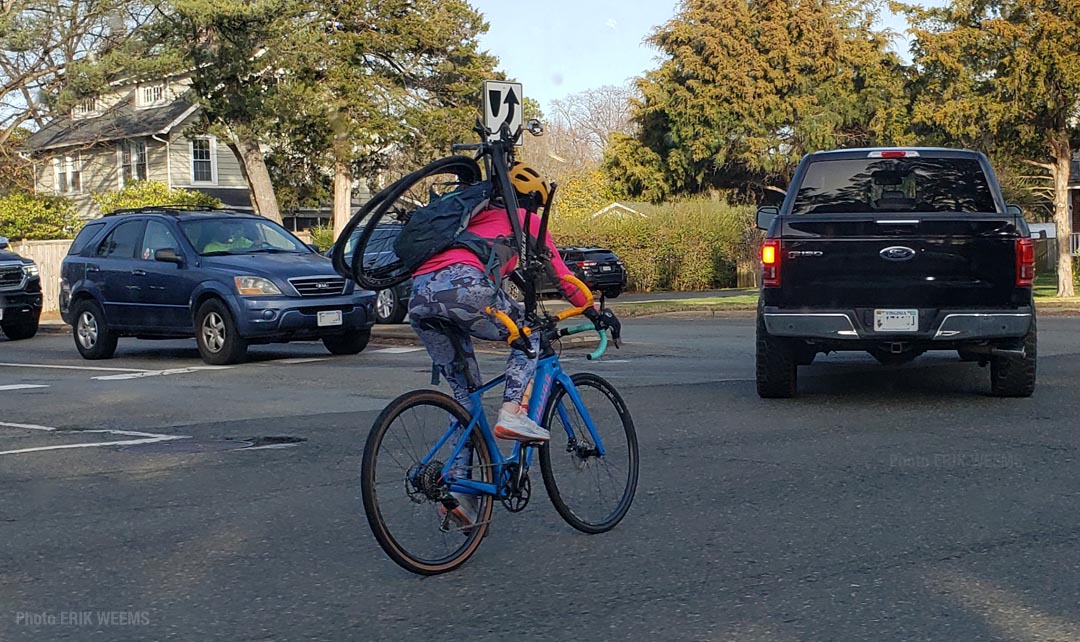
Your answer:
<point x="229" y="278"/>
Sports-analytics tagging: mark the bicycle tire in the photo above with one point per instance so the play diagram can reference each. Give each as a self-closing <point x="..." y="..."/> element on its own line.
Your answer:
<point x="392" y="542"/>
<point x="386" y="270"/>
<point x="573" y="515"/>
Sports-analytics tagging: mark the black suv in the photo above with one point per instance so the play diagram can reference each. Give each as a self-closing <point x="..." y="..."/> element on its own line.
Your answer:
<point x="896" y="252"/>
<point x="20" y="294"/>
<point x="597" y="267"/>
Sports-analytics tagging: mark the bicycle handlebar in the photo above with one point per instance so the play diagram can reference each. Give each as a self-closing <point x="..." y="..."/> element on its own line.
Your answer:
<point x="584" y="289"/>
<point x="585" y="327"/>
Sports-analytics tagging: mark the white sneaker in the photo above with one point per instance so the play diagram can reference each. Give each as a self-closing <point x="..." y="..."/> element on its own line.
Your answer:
<point x="465" y="515"/>
<point x="518" y="427"/>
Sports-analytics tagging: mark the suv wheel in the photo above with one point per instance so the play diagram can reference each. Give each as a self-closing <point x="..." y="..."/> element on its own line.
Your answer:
<point x="215" y="332"/>
<point x="389" y="308"/>
<point x="1010" y="377"/>
<point x="20" y="331"/>
<point x="349" y="343"/>
<point x="777" y="369"/>
<point x="93" y="338"/>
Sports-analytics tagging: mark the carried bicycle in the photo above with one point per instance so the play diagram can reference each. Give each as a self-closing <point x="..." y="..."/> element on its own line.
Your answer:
<point x="425" y="447"/>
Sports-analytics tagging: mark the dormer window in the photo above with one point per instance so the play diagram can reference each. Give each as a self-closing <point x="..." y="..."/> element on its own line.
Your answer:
<point x="151" y="95"/>
<point x="86" y="107"/>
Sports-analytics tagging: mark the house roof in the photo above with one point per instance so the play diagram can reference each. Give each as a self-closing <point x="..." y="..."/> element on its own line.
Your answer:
<point x="620" y="209"/>
<point x="121" y="121"/>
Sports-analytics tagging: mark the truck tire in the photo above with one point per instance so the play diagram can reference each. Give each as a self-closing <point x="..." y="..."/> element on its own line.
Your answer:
<point x="1016" y="377"/>
<point x="777" y="368"/>
<point x="20" y="331"/>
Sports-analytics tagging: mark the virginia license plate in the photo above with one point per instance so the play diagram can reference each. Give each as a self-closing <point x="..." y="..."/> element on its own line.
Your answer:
<point x="329" y="317"/>
<point x="896" y="320"/>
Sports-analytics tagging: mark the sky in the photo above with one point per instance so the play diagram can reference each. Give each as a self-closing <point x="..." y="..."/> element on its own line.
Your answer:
<point x="560" y="47"/>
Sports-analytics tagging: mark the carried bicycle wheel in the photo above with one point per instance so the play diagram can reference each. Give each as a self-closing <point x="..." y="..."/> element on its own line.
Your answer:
<point x="592" y="492"/>
<point x="403" y="497"/>
<point x="374" y="264"/>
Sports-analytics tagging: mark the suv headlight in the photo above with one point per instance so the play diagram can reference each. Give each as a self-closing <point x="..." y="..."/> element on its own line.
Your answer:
<point x="30" y="270"/>
<point x="255" y="286"/>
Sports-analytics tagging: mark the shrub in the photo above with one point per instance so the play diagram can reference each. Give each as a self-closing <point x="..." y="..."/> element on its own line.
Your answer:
<point x="37" y="217"/>
<point x="688" y="245"/>
<point x="149" y="193"/>
<point x="1076" y="271"/>
<point x="322" y="236"/>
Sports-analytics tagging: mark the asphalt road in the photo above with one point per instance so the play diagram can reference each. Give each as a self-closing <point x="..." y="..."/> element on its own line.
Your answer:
<point x="882" y="504"/>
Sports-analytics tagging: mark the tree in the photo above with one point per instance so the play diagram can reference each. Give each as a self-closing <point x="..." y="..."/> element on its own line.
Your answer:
<point x="1004" y="75"/>
<point x="595" y="114"/>
<point x="746" y="88"/>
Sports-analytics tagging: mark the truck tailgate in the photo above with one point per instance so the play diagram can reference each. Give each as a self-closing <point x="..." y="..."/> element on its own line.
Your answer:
<point x="852" y="261"/>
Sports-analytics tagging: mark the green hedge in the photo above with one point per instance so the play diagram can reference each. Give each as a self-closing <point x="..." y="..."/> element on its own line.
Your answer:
<point x="150" y="193"/>
<point x="690" y="245"/>
<point x="37" y="217"/>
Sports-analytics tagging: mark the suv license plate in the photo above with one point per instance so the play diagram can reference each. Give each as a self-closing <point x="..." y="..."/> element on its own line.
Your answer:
<point x="896" y="320"/>
<point x="329" y="317"/>
<point x="605" y="268"/>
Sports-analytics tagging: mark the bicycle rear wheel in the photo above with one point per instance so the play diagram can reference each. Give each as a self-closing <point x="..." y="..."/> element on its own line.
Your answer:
<point x="402" y="497"/>
<point x="374" y="264"/>
<point x="591" y="492"/>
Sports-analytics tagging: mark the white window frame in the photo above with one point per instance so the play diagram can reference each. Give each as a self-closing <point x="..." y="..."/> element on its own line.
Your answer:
<point x="142" y="100"/>
<point x="87" y="108"/>
<point x="130" y="145"/>
<point x="213" y="160"/>
<point x="71" y="163"/>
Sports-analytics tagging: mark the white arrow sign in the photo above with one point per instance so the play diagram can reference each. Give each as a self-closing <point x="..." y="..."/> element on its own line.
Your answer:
<point x="502" y="105"/>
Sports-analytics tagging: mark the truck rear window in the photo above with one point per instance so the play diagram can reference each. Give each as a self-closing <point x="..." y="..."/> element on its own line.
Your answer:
<point x="871" y="185"/>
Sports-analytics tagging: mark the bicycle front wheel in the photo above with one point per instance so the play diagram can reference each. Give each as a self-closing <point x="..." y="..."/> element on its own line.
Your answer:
<point x="590" y="490"/>
<point x="403" y="487"/>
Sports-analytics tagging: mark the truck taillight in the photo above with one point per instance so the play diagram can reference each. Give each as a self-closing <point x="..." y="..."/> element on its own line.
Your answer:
<point x="770" y="263"/>
<point x="1025" y="262"/>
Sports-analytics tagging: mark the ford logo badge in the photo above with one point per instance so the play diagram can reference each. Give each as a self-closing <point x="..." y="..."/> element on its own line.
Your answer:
<point x="897" y="253"/>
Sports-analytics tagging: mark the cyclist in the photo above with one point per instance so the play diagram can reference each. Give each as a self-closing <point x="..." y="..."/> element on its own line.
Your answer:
<point x="453" y="288"/>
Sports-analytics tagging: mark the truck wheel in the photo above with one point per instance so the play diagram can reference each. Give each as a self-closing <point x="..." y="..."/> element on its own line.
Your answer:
<point x="350" y="343"/>
<point x="20" y="331"/>
<point x="93" y="338"/>
<point x="1016" y="377"/>
<point x="215" y="333"/>
<point x="777" y="369"/>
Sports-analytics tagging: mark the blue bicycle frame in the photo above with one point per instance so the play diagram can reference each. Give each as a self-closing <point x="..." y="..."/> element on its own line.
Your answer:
<point x="548" y="372"/>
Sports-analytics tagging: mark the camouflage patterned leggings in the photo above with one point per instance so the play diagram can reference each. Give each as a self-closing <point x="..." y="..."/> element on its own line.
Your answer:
<point x="454" y="298"/>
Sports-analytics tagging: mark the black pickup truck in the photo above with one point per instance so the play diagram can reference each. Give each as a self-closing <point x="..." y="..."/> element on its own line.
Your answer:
<point x="20" y="294"/>
<point x="896" y="252"/>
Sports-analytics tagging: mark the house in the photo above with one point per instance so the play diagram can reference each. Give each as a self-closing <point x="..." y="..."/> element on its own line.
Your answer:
<point x="620" y="210"/>
<point x="136" y="131"/>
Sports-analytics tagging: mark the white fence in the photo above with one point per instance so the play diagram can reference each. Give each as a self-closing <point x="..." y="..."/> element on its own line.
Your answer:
<point x="48" y="255"/>
<point x="1074" y="244"/>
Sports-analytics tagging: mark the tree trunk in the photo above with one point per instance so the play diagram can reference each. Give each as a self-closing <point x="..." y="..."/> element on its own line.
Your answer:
<point x="1062" y="217"/>
<point x="343" y="182"/>
<point x="261" y="189"/>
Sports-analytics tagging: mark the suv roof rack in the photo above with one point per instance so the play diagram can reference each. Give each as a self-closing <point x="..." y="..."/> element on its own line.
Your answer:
<point x="174" y="210"/>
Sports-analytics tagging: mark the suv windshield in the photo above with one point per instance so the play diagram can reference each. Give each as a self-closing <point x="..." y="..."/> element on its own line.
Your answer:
<point x="868" y="185"/>
<point x="221" y="236"/>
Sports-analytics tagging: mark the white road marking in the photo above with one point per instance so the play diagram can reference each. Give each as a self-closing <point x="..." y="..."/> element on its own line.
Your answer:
<point x="23" y="386"/>
<point x="27" y="426"/>
<point x="43" y="365"/>
<point x="400" y="350"/>
<point x="157" y="373"/>
<point x="144" y="438"/>
<point x="298" y="361"/>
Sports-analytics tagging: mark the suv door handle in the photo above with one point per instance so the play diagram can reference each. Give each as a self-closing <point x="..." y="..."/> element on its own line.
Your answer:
<point x="92" y="268"/>
<point x="139" y="272"/>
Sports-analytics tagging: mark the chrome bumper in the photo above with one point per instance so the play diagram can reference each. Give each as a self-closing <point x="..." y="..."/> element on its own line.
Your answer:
<point x="945" y="326"/>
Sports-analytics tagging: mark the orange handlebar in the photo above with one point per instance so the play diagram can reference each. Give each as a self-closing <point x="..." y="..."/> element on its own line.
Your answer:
<point x="505" y="319"/>
<point x="584" y="289"/>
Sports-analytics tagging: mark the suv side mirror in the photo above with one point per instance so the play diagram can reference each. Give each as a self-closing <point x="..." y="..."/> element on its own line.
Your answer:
<point x="765" y="216"/>
<point x="168" y="255"/>
<point x="3" y="243"/>
<point x="1014" y="210"/>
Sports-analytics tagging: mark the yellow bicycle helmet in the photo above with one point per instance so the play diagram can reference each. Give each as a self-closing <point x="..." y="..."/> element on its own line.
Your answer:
<point x="527" y="181"/>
